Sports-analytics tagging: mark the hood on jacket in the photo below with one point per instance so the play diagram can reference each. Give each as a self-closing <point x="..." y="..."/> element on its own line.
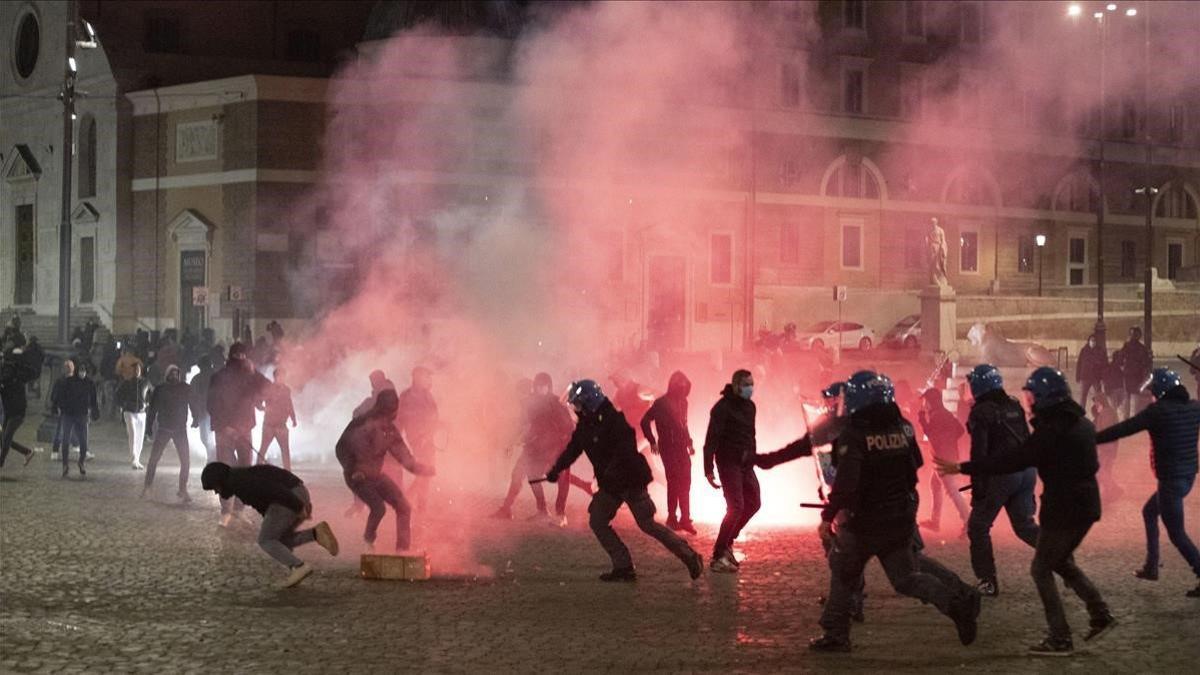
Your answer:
<point x="213" y="477"/>
<point x="679" y="385"/>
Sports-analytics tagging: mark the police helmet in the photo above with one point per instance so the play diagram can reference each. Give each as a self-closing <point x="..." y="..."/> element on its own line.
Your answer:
<point x="866" y="388"/>
<point x="834" y="390"/>
<point x="1161" y="381"/>
<point x="1048" y="386"/>
<point x="585" y="396"/>
<point x="984" y="378"/>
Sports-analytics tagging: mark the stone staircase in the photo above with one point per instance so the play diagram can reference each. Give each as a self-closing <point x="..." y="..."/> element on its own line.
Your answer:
<point x="45" y="326"/>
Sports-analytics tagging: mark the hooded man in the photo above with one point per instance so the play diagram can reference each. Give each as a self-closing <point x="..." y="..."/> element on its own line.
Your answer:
<point x="1173" y="421"/>
<point x="622" y="474"/>
<point x="943" y="430"/>
<point x="546" y="428"/>
<point x="284" y="503"/>
<point x="234" y="393"/>
<point x="361" y="450"/>
<point x="669" y="413"/>
<point x="1090" y="368"/>
<point x="730" y="446"/>
<point x="169" y="407"/>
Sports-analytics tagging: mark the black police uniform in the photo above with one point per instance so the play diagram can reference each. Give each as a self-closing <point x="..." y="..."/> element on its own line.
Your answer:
<point x="1063" y="448"/>
<point x="997" y="427"/>
<point x="874" y="499"/>
<point x="622" y="475"/>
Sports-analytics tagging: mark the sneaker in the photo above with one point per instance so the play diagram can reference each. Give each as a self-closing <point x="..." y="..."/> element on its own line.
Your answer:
<point x="65" y="471"/>
<point x="137" y="466"/>
<point x="370" y="547"/>
<point x="1053" y="647"/>
<point x="622" y="574"/>
<point x="723" y="564"/>
<point x="1100" y="626"/>
<point x="501" y="514"/>
<point x="184" y="497"/>
<point x="297" y="575"/>
<point x="965" y="617"/>
<point x="325" y="537"/>
<point x="988" y="587"/>
<point x="931" y="525"/>
<point x="695" y="565"/>
<point x="29" y="457"/>
<point x="540" y="515"/>
<point x="91" y="455"/>
<point x="1194" y="593"/>
<point x="687" y="526"/>
<point x="560" y="519"/>
<point x="672" y="524"/>
<point x="1146" y="572"/>
<point x="82" y="471"/>
<point x="829" y="643"/>
<point x="54" y="455"/>
<point x="226" y="519"/>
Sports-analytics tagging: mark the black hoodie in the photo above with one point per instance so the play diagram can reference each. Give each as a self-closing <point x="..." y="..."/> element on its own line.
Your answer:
<point x="257" y="486"/>
<point x="1063" y="448"/>
<point x="669" y="413"/>
<point x="730" y="437"/>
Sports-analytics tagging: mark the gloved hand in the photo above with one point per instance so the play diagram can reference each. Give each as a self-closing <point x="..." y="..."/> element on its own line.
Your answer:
<point x="552" y="476"/>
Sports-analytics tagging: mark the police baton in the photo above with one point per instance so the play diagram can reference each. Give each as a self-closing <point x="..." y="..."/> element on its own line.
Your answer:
<point x="966" y="487"/>
<point x="535" y="481"/>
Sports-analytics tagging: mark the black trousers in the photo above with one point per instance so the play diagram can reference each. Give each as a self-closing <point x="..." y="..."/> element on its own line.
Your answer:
<point x="74" y="430"/>
<point x="742" y="500"/>
<point x="377" y="493"/>
<point x="677" y="465"/>
<point x="1055" y="555"/>
<point x="11" y="424"/>
<point x="179" y="439"/>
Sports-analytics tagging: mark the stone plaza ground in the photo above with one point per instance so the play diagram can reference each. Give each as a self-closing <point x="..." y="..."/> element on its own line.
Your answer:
<point x="92" y="579"/>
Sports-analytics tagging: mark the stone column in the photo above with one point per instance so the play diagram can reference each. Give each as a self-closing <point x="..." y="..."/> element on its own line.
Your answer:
<point x="939" y="320"/>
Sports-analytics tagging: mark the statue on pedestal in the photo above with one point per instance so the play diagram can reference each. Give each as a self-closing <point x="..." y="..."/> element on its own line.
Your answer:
<point x="935" y="243"/>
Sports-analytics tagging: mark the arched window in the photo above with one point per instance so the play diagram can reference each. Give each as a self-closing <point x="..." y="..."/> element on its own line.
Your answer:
<point x="87" y="157"/>
<point x="853" y="179"/>
<point x="1077" y="192"/>
<point x="970" y="187"/>
<point x="1176" y="202"/>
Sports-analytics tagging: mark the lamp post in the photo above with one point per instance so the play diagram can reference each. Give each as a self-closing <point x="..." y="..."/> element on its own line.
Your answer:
<point x="1040" y="240"/>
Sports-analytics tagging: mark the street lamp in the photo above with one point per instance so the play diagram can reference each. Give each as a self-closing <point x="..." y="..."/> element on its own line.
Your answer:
<point x="1040" y="240"/>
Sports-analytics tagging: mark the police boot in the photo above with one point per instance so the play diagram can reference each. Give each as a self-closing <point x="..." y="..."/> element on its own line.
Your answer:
<point x="829" y="643"/>
<point x="988" y="587"/>
<point x="1053" y="647"/>
<point x="620" y="574"/>
<point x="965" y="613"/>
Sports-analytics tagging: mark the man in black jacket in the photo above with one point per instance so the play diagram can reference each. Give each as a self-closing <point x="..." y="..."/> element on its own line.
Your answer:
<point x="169" y="407"/>
<point x="1090" y="369"/>
<point x="233" y="395"/>
<point x="1173" y="421"/>
<point x="361" y="450"/>
<point x="15" y="374"/>
<point x="1136" y="362"/>
<point x="622" y="474"/>
<point x="200" y="420"/>
<point x="872" y="512"/>
<point x="1063" y="448"/>
<point x="284" y="503"/>
<point x="133" y="396"/>
<point x="997" y="427"/>
<point x="674" y="445"/>
<point x="731" y="446"/>
<point x="74" y="398"/>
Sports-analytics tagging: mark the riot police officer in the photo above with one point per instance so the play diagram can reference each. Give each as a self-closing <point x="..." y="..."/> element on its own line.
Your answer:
<point x="874" y="502"/>
<point x="997" y="427"/>
<point x="622" y="475"/>
<point x="1173" y="421"/>
<point x="1063" y="448"/>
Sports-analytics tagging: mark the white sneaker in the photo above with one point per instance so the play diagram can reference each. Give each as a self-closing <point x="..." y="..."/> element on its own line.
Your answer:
<point x="226" y="519"/>
<point x="297" y="575"/>
<point x="561" y="521"/>
<point x="137" y="466"/>
<point x="326" y="538"/>
<point x="91" y="455"/>
<point x="54" y="455"/>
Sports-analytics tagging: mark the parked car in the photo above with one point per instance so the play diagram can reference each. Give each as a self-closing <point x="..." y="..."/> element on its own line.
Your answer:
<point x="906" y="334"/>
<point x="825" y="335"/>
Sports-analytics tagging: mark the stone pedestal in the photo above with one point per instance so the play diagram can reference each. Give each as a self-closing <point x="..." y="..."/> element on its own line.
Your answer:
<point x="939" y="319"/>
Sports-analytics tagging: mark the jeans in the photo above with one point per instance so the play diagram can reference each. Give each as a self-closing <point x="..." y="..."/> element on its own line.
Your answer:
<point x="207" y="439"/>
<point x="742" y="501"/>
<point x="179" y="438"/>
<point x="1054" y="555"/>
<point x="279" y="433"/>
<point x="378" y="492"/>
<point x="1013" y="493"/>
<point x="849" y="555"/>
<point x="235" y="449"/>
<point x="677" y="465"/>
<point x="1167" y="504"/>
<point x="278" y="534"/>
<point x="604" y="508"/>
<point x="948" y="484"/>
<point x="530" y="466"/>
<point x="11" y="424"/>
<point x="135" y="431"/>
<point x="74" y="430"/>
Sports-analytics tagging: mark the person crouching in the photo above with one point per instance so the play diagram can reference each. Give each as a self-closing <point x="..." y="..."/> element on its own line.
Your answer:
<point x="284" y="503"/>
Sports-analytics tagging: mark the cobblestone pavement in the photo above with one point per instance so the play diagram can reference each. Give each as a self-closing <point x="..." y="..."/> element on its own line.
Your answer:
<point x="92" y="579"/>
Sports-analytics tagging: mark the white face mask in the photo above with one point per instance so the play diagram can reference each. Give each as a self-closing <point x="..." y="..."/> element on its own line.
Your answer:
<point x="746" y="391"/>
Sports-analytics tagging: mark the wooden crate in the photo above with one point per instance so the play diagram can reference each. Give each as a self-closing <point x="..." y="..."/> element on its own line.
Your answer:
<point x="395" y="567"/>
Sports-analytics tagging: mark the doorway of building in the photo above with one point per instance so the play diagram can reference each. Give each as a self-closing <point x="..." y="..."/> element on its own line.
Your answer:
<point x="192" y="275"/>
<point x="666" y="303"/>
<point x="23" y="292"/>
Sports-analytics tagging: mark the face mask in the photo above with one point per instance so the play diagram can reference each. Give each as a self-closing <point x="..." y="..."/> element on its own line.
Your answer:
<point x="747" y="391"/>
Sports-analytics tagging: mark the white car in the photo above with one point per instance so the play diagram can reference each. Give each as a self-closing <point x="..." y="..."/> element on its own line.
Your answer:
<point x="825" y="334"/>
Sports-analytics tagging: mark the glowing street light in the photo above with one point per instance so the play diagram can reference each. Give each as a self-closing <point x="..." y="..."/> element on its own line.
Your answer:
<point x="1074" y="10"/>
<point x="1112" y="7"/>
<point x="1098" y="15"/>
<point x="1040" y="240"/>
<point x="1132" y="11"/>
